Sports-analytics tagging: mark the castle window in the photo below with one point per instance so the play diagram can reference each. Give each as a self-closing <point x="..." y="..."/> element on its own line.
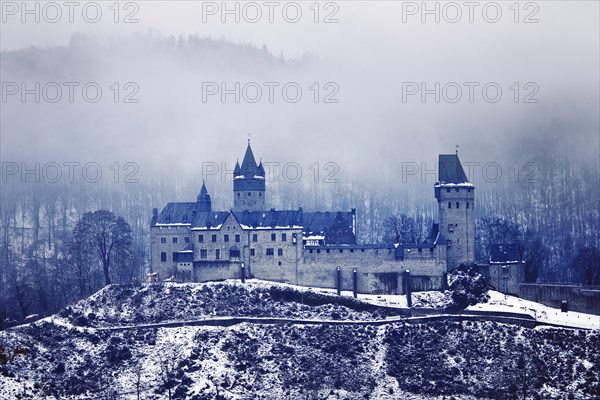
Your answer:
<point x="420" y="250"/>
<point x="163" y="256"/>
<point x="470" y="190"/>
<point x="249" y="194"/>
<point x="163" y="240"/>
<point x="174" y="239"/>
<point x="203" y="253"/>
<point x="341" y="250"/>
<point x="214" y="238"/>
<point x="467" y="204"/>
<point x="239" y="194"/>
<point x="217" y="254"/>
<point x="449" y="205"/>
<point x="318" y="251"/>
<point x="254" y="237"/>
<point x="234" y="252"/>
<point x="328" y="250"/>
<point x="226" y="238"/>
<point x="259" y="194"/>
<point x="450" y="227"/>
<point x="186" y="239"/>
<point x="351" y="250"/>
<point x="279" y="263"/>
<point x="362" y="250"/>
<point x="280" y="252"/>
<point x="431" y="249"/>
<point x="200" y="238"/>
<point x="174" y="256"/>
<point x="237" y="238"/>
<point x="283" y="237"/>
<point x="273" y="237"/>
<point x="457" y="204"/>
<point x="310" y="251"/>
<point x="456" y="190"/>
<point x="270" y="251"/>
<point x="252" y="252"/>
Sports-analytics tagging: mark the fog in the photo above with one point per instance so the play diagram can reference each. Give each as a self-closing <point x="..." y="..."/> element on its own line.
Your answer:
<point x="368" y="55"/>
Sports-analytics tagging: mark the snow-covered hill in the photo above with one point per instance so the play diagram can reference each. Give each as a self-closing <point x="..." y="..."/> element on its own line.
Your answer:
<point x="74" y="356"/>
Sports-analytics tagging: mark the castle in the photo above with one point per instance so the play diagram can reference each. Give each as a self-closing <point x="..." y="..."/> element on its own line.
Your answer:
<point x="191" y="242"/>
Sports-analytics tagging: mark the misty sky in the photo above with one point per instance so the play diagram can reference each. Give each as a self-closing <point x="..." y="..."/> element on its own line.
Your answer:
<point x="370" y="55"/>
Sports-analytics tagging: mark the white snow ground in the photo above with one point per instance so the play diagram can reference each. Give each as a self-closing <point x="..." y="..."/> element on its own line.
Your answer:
<point x="501" y="302"/>
<point x="434" y="299"/>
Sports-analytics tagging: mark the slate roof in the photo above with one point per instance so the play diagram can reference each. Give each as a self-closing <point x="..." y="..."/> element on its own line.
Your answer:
<point x="177" y="213"/>
<point x="269" y="219"/>
<point x="505" y="253"/>
<point x="316" y="222"/>
<point x="249" y="168"/>
<point x="207" y="220"/>
<point x="312" y="222"/>
<point x="435" y="237"/>
<point x="450" y="170"/>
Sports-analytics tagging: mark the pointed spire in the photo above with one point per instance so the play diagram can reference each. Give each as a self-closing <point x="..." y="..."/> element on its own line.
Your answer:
<point x="261" y="170"/>
<point x="236" y="170"/>
<point x="249" y="166"/>
<point x="203" y="200"/>
<point x="203" y="191"/>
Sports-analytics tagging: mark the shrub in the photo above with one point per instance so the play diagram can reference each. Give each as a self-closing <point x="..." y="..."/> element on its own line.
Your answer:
<point x="467" y="287"/>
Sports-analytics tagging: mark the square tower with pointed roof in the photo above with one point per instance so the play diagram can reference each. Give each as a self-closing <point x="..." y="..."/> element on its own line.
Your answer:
<point x="249" y="184"/>
<point x="456" y="211"/>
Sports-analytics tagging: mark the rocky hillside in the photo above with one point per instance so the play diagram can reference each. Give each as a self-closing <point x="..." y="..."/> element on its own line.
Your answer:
<point x="118" y="305"/>
<point x="75" y="357"/>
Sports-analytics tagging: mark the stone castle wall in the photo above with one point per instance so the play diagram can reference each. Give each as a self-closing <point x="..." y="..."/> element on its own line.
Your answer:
<point x="285" y="259"/>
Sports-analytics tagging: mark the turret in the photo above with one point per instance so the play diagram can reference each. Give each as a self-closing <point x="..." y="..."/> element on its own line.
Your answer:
<point x="456" y="210"/>
<point x="203" y="202"/>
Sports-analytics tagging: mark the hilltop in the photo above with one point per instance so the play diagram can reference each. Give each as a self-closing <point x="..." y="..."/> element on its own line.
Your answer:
<point x="75" y="355"/>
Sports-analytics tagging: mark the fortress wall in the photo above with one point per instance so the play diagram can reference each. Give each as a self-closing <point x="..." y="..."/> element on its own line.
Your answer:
<point x="216" y="272"/>
<point x="377" y="271"/>
<point x="579" y="298"/>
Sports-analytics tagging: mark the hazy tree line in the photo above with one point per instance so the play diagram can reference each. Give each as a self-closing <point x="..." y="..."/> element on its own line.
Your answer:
<point x="45" y="263"/>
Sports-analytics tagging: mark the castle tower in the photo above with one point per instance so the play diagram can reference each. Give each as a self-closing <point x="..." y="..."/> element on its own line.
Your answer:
<point x="249" y="184"/>
<point x="456" y="210"/>
<point x="203" y="202"/>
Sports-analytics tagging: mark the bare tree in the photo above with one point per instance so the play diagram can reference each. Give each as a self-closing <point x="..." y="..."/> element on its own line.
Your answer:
<point x="169" y="356"/>
<point x="107" y="235"/>
<point x="400" y="229"/>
